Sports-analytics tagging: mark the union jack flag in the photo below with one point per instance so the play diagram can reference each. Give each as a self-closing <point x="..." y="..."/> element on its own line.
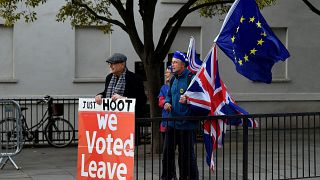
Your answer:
<point x="208" y="95"/>
<point x="194" y="61"/>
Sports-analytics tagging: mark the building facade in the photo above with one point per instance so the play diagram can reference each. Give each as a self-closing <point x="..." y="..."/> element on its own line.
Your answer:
<point x="50" y="57"/>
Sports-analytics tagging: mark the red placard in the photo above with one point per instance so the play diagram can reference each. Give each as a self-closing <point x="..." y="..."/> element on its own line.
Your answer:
<point x="106" y="139"/>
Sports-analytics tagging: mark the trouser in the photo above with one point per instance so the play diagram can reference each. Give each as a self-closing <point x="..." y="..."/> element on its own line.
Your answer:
<point x="185" y="140"/>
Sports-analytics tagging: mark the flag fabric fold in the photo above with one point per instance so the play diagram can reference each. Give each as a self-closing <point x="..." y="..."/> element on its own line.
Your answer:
<point x="194" y="61"/>
<point x="208" y="95"/>
<point x="247" y="39"/>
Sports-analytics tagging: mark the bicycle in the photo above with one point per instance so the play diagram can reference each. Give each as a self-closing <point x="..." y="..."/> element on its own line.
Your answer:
<point x="58" y="131"/>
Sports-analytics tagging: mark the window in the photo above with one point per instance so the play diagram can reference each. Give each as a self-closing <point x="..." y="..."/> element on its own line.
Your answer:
<point x="92" y="48"/>
<point x="280" y="69"/>
<point x="6" y="54"/>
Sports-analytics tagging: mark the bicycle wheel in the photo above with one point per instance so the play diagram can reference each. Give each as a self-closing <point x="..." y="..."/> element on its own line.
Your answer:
<point x="8" y="133"/>
<point x="59" y="132"/>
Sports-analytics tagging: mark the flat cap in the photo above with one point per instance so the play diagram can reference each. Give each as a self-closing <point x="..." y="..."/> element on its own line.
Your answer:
<point x="117" y="58"/>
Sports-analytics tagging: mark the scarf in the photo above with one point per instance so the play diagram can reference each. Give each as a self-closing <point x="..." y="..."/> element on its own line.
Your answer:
<point x="116" y="85"/>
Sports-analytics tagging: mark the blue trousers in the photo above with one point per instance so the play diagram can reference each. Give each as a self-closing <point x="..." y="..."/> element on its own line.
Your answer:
<point x="184" y="140"/>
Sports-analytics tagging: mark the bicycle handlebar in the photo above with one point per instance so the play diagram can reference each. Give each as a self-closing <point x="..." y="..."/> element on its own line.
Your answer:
<point x="45" y="99"/>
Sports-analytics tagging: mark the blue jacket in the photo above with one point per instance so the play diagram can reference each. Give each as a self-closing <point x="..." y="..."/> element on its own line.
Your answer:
<point x="179" y="86"/>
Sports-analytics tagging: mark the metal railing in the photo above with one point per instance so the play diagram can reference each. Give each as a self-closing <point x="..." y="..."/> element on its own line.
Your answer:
<point x="284" y="146"/>
<point x="35" y="112"/>
<point x="10" y="132"/>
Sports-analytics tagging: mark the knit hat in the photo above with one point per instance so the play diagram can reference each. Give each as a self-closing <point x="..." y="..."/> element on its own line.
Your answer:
<point x="181" y="56"/>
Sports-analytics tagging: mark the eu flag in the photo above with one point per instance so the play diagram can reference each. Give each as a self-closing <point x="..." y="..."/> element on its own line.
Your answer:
<point x="249" y="42"/>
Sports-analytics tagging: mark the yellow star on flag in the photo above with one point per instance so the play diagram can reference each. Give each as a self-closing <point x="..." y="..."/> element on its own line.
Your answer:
<point x="240" y="62"/>
<point x="260" y="42"/>
<point x="252" y="19"/>
<point x="242" y="19"/>
<point x="258" y="24"/>
<point x="264" y="34"/>
<point x="238" y="29"/>
<point x="253" y="51"/>
<point x="232" y="39"/>
<point x="246" y="58"/>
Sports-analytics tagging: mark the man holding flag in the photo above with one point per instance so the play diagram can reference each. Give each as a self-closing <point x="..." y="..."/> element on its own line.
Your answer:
<point x="180" y="132"/>
<point x="208" y="95"/>
<point x="249" y="42"/>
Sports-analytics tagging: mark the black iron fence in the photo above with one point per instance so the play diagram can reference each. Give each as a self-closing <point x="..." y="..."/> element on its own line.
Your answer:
<point x="283" y="146"/>
<point x="35" y="113"/>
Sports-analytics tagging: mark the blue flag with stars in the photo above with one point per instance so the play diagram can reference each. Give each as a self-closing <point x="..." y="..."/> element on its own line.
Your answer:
<point x="246" y="38"/>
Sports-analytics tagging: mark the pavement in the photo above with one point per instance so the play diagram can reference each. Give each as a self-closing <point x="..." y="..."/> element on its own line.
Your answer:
<point x="43" y="163"/>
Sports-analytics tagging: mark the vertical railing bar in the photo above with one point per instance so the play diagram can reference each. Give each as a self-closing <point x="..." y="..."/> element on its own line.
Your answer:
<point x="237" y="174"/>
<point x="72" y="103"/>
<point x="144" y="129"/>
<point x="302" y="119"/>
<point x="25" y="112"/>
<point x="297" y="150"/>
<point x="314" y="146"/>
<point x="161" y="153"/>
<point x="266" y="148"/>
<point x="278" y="147"/>
<point x="203" y="148"/>
<point x="309" y="163"/>
<point x="217" y="163"/>
<point x="272" y="152"/>
<point x="290" y="128"/>
<point x="230" y="147"/>
<point x="63" y="101"/>
<point x="284" y="145"/>
<point x="245" y="149"/>
<point x="174" y="142"/>
<point x="74" y="118"/>
<point x="37" y="112"/>
<point x="31" y="110"/>
<point x="41" y="116"/>
<point x="223" y="155"/>
<point x="151" y="142"/>
<point x="260" y="142"/>
<point x="68" y="108"/>
<point x="152" y="121"/>
<point x="253" y="150"/>
<point x="137" y="155"/>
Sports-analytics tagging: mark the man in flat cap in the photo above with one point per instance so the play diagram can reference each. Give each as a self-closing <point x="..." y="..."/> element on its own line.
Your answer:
<point x="122" y="83"/>
<point x="180" y="132"/>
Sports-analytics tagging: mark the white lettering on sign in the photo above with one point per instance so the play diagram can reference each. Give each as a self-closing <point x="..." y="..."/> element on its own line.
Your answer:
<point x="110" y="118"/>
<point x="103" y="170"/>
<point x="110" y="145"/>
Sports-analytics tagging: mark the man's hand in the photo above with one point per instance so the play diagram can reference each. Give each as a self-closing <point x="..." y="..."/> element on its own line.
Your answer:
<point x="183" y="99"/>
<point x="98" y="99"/>
<point x="167" y="107"/>
<point x="116" y="96"/>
